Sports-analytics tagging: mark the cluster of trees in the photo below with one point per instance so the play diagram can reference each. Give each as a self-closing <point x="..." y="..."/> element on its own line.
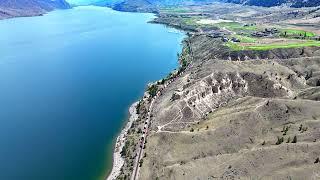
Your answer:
<point x="302" y="129"/>
<point x="300" y="35"/>
<point x="153" y="90"/>
<point x="125" y="149"/>
<point x="280" y="140"/>
<point x="285" y="130"/>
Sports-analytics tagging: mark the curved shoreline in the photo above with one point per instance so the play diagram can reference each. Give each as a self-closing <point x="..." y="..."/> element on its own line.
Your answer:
<point x="118" y="161"/>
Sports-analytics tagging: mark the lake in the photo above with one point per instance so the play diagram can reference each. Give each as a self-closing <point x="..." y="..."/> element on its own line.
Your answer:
<point x="66" y="81"/>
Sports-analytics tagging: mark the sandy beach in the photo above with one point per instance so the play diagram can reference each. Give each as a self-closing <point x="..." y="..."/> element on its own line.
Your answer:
<point x="118" y="161"/>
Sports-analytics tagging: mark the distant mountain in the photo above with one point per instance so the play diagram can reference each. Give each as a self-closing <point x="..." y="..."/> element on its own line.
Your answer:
<point x="307" y="3"/>
<point x="90" y="2"/>
<point x="270" y="3"/>
<point x="16" y="8"/>
<point x="135" y="6"/>
<point x="265" y="3"/>
<point x="151" y="5"/>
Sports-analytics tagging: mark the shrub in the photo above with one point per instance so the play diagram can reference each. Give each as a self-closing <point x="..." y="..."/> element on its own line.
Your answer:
<point x="294" y="139"/>
<point x="285" y="129"/>
<point x="138" y="107"/>
<point x="140" y="162"/>
<point x="279" y="141"/>
<point x="139" y="131"/>
<point x="288" y="141"/>
<point x="124" y="150"/>
<point x="153" y="90"/>
<point x="304" y="129"/>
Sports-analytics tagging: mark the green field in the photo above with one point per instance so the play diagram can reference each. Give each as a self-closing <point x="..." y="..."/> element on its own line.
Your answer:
<point x="245" y="39"/>
<point x="234" y="26"/>
<point x="237" y="47"/>
<point x="294" y="32"/>
<point x="192" y="21"/>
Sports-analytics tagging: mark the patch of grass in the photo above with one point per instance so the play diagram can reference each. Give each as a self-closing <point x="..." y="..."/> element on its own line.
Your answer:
<point x="235" y="26"/>
<point x="246" y="39"/>
<point x="252" y="28"/>
<point x="295" y="32"/>
<point x="192" y="21"/>
<point x="234" y="46"/>
<point x="229" y="25"/>
<point x="291" y="45"/>
<point x="237" y="47"/>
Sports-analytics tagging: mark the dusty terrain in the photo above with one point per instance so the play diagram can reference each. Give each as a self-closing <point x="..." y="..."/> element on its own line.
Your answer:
<point x="228" y="118"/>
<point x="244" y="103"/>
<point x="239" y="113"/>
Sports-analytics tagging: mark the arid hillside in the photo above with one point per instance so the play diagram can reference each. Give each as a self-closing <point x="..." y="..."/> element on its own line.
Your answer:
<point x="244" y="103"/>
<point x="224" y="119"/>
<point x="17" y="8"/>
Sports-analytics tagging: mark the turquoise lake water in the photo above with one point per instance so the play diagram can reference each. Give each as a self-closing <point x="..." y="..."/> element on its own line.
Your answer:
<point x="66" y="81"/>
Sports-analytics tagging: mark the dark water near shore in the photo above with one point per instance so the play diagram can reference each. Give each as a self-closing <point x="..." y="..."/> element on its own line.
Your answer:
<point x="66" y="82"/>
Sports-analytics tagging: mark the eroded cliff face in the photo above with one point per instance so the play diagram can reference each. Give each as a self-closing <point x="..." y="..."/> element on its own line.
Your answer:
<point x="257" y="118"/>
<point x="17" y="8"/>
<point x="212" y="84"/>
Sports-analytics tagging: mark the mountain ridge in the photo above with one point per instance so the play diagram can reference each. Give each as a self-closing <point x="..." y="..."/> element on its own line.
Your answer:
<point x="20" y="8"/>
<point x="152" y="5"/>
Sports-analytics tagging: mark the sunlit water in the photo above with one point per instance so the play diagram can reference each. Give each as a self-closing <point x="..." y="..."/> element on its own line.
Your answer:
<point x="66" y="81"/>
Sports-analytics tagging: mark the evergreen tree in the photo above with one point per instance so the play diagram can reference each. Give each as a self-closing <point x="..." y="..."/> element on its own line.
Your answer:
<point x="294" y="139"/>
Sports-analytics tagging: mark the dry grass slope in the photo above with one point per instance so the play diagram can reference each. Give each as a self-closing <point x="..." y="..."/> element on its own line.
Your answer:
<point x="249" y="119"/>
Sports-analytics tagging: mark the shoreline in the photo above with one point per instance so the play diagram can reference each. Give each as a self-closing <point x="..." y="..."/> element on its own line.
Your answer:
<point x="118" y="160"/>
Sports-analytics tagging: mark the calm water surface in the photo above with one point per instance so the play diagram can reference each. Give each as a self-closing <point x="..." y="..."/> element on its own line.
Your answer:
<point x="66" y="82"/>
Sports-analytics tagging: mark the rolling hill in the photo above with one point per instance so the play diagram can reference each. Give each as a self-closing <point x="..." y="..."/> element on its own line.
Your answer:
<point x="18" y="8"/>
